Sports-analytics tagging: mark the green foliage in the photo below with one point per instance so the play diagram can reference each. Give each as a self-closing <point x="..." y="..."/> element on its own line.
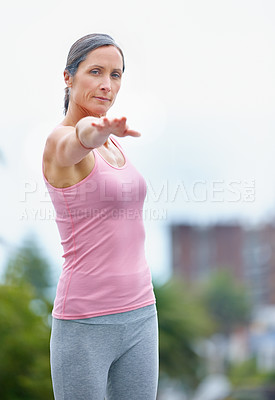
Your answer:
<point x="24" y="347"/>
<point x="227" y="301"/>
<point x="247" y="395"/>
<point x="24" y="328"/>
<point x="182" y="321"/>
<point x="247" y="374"/>
<point x="28" y="265"/>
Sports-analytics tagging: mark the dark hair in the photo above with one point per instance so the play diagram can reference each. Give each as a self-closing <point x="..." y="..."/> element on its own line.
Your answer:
<point x="79" y="51"/>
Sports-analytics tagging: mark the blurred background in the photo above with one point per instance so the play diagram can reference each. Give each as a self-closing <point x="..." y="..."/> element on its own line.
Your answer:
<point x="199" y="85"/>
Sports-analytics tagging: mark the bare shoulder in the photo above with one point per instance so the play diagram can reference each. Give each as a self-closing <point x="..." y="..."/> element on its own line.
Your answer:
<point x="56" y="174"/>
<point x="52" y="140"/>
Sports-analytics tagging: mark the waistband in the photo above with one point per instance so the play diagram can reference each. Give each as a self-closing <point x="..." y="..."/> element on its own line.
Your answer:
<point x="120" y="318"/>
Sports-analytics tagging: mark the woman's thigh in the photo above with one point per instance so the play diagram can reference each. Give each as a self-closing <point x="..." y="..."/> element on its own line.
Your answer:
<point x="134" y="375"/>
<point x="81" y="355"/>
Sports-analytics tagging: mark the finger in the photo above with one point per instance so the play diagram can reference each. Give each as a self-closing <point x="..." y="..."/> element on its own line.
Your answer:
<point x="102" y="122"/>
<point x="98" y="123"/>
<point x="130" y="132"/>
<point x="119" y="121"/>
<point x="105" y="121"/>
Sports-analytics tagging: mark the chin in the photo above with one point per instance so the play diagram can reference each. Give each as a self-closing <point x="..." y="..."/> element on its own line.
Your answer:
<point x="101" y="111"/>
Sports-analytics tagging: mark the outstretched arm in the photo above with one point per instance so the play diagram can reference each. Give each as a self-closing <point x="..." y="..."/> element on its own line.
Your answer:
<point x="69" y="145"/>
<point x="93" y="132"/>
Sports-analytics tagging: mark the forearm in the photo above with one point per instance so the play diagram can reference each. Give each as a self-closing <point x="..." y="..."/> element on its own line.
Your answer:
<point x="88" y="135"/>
<point x="77" y="142"/>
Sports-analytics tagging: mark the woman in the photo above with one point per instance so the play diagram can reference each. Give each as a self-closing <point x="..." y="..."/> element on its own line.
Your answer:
<point x="104" y="339"/>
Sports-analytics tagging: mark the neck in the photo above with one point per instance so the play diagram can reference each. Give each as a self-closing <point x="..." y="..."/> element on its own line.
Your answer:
<point x="75" y="113"/>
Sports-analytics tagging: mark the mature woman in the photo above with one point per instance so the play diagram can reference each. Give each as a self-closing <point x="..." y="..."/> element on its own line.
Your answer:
<point x="104" y="338"/>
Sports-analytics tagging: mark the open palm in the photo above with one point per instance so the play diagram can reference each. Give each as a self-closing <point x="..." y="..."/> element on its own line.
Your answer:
<point x="115" y="126"/>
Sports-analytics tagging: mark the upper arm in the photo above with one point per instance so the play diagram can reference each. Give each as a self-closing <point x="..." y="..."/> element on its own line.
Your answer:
<point x="63" y="148"/>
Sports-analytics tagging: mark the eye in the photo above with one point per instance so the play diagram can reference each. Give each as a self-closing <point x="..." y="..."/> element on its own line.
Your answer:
<point x="116" y="75"/>
<point x="94" y="71"/>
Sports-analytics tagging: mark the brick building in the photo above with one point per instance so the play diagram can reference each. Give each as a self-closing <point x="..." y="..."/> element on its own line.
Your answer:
<point x="248" y="253"/>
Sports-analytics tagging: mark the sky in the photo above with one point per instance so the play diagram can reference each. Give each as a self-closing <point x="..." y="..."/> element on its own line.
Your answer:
<point x="199" y="85"/>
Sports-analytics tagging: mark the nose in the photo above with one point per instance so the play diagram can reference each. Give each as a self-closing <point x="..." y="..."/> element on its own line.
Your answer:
<point x="106" y="84"/>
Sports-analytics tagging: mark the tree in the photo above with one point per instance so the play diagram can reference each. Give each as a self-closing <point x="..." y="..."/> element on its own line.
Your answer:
<point x="24" y="327"/>
<point x="227" y="301"/>
<point x="182" y="321"/>
<point x="24" y="347"/>
<point x="29" y="265"/>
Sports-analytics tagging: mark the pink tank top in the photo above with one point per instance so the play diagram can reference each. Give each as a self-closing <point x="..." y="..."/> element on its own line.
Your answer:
<point x="101" y="227"/>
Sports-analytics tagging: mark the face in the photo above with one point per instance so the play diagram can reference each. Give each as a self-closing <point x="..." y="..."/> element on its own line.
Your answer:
<point x="97" y="81"/>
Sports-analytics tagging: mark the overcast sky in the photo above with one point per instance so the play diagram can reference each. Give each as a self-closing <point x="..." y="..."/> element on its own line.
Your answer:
<point x="199" y="85"/>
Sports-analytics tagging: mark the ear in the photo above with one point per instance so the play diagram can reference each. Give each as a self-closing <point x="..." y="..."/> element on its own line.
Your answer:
<point x="68" y="78"/>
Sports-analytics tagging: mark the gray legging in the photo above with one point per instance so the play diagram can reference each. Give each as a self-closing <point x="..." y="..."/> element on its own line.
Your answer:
<point x="113" y="356"/>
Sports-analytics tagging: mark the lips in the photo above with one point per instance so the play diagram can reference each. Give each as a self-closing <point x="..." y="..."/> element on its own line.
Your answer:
<point x="102" y="98"/>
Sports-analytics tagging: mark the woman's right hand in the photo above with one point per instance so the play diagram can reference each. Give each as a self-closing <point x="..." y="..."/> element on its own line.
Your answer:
<point x="94" y="132"/>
